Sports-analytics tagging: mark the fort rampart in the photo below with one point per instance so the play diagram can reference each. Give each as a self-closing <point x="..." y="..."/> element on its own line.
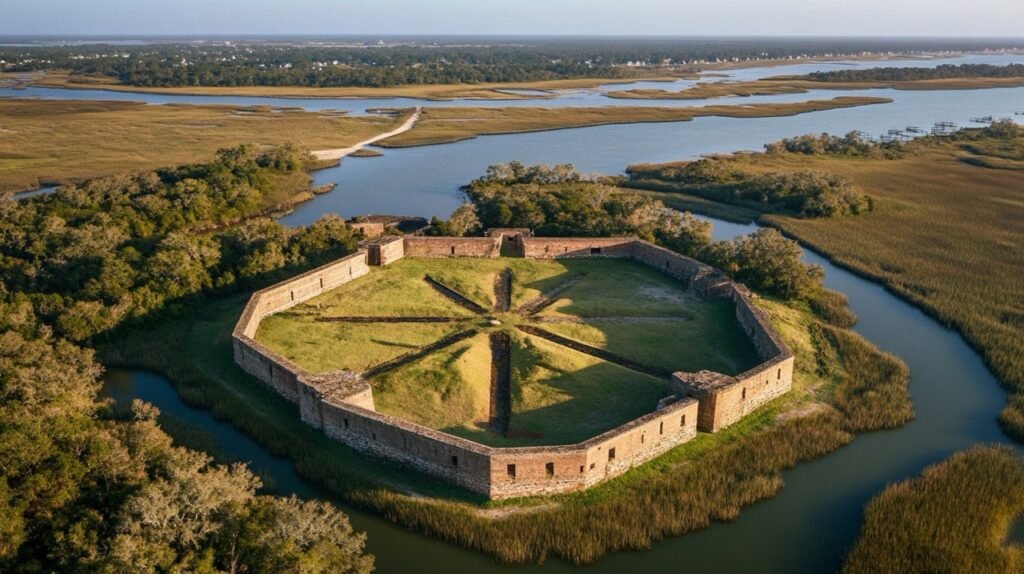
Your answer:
<point x="341" y="403"/>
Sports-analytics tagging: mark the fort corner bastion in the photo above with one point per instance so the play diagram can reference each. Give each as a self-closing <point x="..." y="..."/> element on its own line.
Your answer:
<point x="341" y="403"/>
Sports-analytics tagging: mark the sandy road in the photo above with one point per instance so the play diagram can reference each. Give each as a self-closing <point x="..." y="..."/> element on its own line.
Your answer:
<point x="342" y="152"/>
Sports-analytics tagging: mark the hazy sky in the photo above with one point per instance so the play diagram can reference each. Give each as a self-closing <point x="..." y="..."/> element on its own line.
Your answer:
<point x="661" y="17"/>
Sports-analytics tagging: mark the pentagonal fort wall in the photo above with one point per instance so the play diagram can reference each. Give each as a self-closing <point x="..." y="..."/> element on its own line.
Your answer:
<point x="341" y="404"/>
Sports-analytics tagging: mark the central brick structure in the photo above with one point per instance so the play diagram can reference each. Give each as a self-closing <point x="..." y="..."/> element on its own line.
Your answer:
<point x="341" y="403"/>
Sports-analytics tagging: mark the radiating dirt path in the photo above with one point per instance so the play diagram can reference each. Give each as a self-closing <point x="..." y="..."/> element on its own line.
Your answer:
<point x="540" y="303"/>
<point x="501" y="382"/>
<point x="455" y="296"/>
<point x="419" y="353"/>
<point x="595" y="352"/>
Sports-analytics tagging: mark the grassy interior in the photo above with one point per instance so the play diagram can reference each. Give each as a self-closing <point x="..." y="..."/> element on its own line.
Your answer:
<point x="443" y="390"/>
<point x="327" y="346"/>
<point x="560" y="396"/>
<point x="711" y="339"/>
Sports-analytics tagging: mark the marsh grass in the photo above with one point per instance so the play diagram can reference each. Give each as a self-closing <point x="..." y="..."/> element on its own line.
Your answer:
<point x="48" y="142"/>
<point x="913" y="526"/>
<point x="446" y="125"/>
<point x="781" y="85"/>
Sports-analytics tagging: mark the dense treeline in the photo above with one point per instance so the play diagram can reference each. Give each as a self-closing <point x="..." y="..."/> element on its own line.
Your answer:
<point x="806" y="193"/>
<point x="88" y="257"/>
<point x="942" y="72"/>
<point x="558" y="201"/>
<point x="84" y="491"/>
<point x="852" y="144"/>
<point x="431" y="62"/>
<point x="85" y="488"/>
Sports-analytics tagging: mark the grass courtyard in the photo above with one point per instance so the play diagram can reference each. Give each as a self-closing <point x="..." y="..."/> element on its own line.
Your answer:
<point x="422" y="331"/>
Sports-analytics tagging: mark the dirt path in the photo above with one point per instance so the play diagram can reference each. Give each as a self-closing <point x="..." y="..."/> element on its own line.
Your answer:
<point x="328" y="154"/>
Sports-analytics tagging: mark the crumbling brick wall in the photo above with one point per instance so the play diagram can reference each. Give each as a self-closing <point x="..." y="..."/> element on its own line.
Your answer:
<point x="452" y="246"/>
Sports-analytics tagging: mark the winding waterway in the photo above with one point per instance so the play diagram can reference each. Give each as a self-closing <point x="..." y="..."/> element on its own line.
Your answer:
<point x="811" y="523"/>
<point x="806" y="528"/>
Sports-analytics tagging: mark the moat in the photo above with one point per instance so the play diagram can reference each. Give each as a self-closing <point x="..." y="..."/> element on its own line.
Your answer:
<point x="955" y="398"/>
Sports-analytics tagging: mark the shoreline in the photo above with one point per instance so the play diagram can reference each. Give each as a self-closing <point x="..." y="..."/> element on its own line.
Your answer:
<point x="449" y="92"/>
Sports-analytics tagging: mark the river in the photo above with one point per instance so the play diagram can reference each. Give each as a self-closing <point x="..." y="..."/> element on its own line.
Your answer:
<point x="813" y="521"/>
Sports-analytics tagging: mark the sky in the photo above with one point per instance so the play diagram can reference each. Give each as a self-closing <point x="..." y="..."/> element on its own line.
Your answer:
<point x="541" y="17"/>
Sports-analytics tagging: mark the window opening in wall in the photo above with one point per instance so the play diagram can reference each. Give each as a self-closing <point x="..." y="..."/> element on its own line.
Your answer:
<point x="641" y="439"/>
<point x="511" y="471"/>
<point x="292" y="293"/>
<point x="549" y="468"/>
<point x="661" y="427"/>
<point x="667" y="265"/>
<point x="374" y="435"/>
<point x="682" y="421"/>
<point x="581" y="469"/>
<point x="346" y="423"/>
<point x="321" y="282"/>
<point x="595" y="250"/>
<point x="611" y="454"/>
<point x="593" y="465"/>
<point x="453" y="250"/>
<point x="455" y="461"/>
<point x="744" y="394"/>
<point x="779" y="374"/>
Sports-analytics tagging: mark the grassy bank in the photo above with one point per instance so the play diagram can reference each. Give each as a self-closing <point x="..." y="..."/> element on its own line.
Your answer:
<point x="481" y="91"/>
<point x="46" y="142"/>
<point x="446" y="125"/>
<point x="911" y="527"/>
<point x="944" y="234"/>
<point x="781" y="85"/>
<point x="842" y="384"/>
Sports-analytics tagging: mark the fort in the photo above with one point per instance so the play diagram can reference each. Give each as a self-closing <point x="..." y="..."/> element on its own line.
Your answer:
<point x="341" y="402"/>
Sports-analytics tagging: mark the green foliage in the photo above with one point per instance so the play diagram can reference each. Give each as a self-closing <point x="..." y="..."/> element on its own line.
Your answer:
<point x="558" y="201"/>
<point x="766" y="261"/>
<point x="941" y="72"/>
<point x="86" y="488"/>
<point x="952" y="518"/>
<point x="806" y="193"/>
<point x="852" y="144"/>
<point x="88" y="257"/>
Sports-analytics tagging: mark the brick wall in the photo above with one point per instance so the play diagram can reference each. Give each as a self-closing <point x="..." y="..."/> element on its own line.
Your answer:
<point x="452" y="246"/>
<point x="551" y="247"/>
